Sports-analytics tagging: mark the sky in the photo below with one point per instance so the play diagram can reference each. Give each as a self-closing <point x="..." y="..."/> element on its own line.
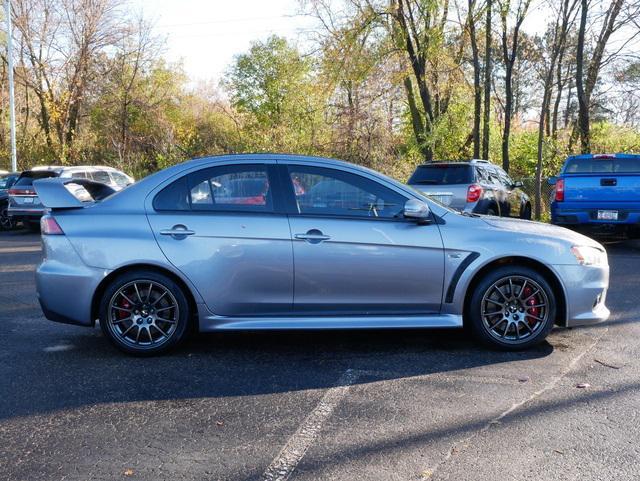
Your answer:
<point x="206" y="34"/>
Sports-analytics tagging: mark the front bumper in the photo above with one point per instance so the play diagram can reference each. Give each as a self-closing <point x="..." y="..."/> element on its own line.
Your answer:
<point x="585" y="293"/>
<point x="65" y="285"/>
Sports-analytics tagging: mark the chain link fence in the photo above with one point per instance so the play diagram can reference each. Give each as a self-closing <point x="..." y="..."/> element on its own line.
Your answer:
<point x="529" y="188"/>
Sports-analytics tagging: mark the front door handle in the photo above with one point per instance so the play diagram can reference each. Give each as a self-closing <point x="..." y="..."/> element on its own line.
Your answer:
<point x="313" y="236"/>
<point x="178" y="231"/>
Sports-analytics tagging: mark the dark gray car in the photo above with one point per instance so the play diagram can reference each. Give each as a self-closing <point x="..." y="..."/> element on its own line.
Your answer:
<point x="478" y="186"/>
<point x="6" y="181"/>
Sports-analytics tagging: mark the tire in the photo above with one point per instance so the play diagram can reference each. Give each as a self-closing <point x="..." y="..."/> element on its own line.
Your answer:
<point x="130" y="316"/>
<point x="6" y="222"/>
<point x="520" y="327"/>
<point x="526" y="212"/>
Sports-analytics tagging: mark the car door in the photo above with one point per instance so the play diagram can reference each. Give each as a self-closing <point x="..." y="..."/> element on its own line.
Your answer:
<point x="354" y="252"/>
<point x="224" y="229"/>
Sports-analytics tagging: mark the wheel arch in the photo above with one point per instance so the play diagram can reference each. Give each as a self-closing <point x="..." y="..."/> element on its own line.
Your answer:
<point x="104" y="283"/>
<point x="542" y="269"/>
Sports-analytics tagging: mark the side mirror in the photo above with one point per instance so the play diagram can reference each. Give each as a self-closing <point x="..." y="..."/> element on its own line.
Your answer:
<point x="518" y="184"/>
<point x="417" y="210"/>
<point x="552" y="180"/>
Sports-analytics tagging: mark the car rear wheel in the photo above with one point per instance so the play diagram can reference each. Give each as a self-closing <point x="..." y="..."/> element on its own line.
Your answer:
<point x="526" y="212"/>
<point x="144" y="313"/>
<point x="512" y="308"/>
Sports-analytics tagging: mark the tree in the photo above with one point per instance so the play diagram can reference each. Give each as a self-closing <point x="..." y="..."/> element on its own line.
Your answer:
<point x="272" y="83"/>
<point x="477" y="89"/>
<point x="585" y="88"/>
<point x="510" y="47"/>
<point x="487" y="83"/>
<point x="556" y="38"/>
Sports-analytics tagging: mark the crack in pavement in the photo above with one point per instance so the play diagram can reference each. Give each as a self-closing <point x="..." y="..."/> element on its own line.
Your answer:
<point x="459" y="446"/>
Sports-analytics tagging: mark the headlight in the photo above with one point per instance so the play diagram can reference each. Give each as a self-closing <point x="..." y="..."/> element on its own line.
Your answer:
<point x="589" y="256"/>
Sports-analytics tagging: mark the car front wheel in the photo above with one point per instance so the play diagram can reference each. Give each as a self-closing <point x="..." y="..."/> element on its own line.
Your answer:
<point x="512" y="308"/>
<point x="144" y="313"/>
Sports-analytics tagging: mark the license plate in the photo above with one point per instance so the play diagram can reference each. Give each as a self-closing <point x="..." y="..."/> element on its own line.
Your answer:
<point x="607" y="215"/>
<point x="28" y="200"/>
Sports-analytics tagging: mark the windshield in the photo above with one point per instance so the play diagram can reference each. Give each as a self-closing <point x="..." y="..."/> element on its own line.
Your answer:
<point x="442" y="174"/>
<point x="5" y="181"/>
<point x="27" y="178"/>
<point x="603" y="166"/>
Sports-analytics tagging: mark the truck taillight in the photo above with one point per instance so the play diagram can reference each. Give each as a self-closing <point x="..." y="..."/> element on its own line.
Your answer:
<point x="474" y="193"/>
<point x="560" y="190"/>
<point x="49" y="226"/>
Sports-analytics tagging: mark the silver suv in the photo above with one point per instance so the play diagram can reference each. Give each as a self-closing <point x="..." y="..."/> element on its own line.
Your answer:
<point x="477" y="186"/>
<point x="24" y="204"/>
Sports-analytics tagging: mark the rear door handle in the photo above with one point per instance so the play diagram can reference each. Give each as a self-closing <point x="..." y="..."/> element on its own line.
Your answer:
<point x="313" y="236"/>
<point x="178" y="231"/>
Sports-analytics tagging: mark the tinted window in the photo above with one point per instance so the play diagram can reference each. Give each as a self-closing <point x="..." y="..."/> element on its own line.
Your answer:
<point x="442" y="174"/>
<point x="120" y="179"/>
<point x="101" y="176"/>
<point x="173" y="197"/>
<point x="27" y="178"/>
<point x="334" y="192"/>
<point x="7" y="181"/>
<point x="236" y="188"/>
<point x="603" y="166"/>
<point x="225" y="188"/>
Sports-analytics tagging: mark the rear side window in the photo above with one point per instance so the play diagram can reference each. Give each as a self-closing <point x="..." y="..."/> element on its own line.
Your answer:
<point x="101" y="176"/>
<point x="27" y="178"/>
<point x="237" y="188"/>
<point x="442" y="174"/>
<point x="173" y="197"/>
<point x="603" y="166"/>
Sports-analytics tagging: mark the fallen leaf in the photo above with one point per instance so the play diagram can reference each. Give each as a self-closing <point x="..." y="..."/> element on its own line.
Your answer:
<point x="583" y="385"/>
<point x="426" y="474"/>
<point x="128" y="472"/>
<point x="219" y="423"/>
<point x="523" y="379"/>
<point x="558" y="451"/>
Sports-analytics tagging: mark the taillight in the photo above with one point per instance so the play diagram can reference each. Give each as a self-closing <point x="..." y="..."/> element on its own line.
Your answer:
<point x="560" y="190"/>
<point x="49" y="226"/>
<point x="17" y="191"/>
<point x="474" y="193"/>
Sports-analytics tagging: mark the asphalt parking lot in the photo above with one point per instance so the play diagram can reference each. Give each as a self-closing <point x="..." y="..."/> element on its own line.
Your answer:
<point x="403" y="405"/>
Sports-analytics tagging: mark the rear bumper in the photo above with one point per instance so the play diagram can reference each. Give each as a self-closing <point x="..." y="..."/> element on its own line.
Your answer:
<point x="585" y="213"/>
<point x="25" y="213"/>
<point x="65" y="285"/>
<point x="586" y="293"/>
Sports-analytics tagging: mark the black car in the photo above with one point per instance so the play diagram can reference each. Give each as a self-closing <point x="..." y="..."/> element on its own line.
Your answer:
<point x="477" y="186"/>
<point x="6" y="181"/>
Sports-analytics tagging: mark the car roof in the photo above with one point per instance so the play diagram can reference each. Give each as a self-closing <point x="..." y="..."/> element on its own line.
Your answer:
<point x="618" y="155"/>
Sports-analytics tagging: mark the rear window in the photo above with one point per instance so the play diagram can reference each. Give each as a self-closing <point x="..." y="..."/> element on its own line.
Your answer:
<point x="27" y="178"/>
<point x="441" y="174"/>
<point x="603" y="166"/>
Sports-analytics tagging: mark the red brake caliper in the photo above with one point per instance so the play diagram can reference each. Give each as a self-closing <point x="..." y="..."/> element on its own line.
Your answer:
<point x="125" y="305"/>
<point x="534" y="311"/>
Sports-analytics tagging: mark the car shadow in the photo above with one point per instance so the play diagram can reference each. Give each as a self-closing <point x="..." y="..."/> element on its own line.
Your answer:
<point x="82" y="369"/>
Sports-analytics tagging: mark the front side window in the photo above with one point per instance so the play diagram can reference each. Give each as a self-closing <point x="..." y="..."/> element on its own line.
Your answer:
<point x="119" y="179"/>
<point x="322" y="191"/>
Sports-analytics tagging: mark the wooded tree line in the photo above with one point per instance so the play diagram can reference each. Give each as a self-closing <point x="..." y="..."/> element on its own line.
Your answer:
<point x="383" y="83"/>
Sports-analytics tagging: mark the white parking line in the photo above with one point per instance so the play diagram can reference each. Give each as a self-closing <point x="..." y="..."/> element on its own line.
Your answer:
<point x="286" y="461"/>
<point x="59" y="348"/>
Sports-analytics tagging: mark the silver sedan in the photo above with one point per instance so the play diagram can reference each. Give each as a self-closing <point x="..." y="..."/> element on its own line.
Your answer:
<point x="264" y="241"/>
